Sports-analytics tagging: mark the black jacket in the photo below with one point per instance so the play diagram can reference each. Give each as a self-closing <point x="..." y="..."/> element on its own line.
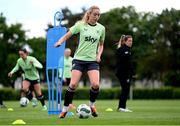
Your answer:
<point x="124" y="66"/>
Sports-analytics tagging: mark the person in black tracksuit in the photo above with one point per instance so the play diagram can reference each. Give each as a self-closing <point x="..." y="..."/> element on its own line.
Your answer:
<point x="124" y="70"/>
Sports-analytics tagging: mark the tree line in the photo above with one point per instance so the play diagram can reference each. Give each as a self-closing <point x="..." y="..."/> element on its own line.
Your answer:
<point x="156" y="43"/>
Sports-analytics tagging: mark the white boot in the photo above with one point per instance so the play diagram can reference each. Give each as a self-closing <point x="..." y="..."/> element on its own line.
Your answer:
<point x="124" y="110"/>
<point x="34" y="102"/>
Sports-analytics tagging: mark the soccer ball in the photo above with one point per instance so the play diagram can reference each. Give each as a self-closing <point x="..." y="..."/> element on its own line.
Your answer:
<point x="83" y="111"/>
<point x="24" y="102"/>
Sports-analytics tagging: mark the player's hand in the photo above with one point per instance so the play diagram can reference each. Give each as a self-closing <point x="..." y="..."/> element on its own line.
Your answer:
<point x="57" y="44"/>
<point x="98" y="59"/>
<point x="10" y="74"/>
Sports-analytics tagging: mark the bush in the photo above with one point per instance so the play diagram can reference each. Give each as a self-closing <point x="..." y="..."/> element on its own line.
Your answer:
<point x="112" y="93"/>
<point x="9" y="94"/>
<point x="176" y="93"/>
<point x="164" y="93"/>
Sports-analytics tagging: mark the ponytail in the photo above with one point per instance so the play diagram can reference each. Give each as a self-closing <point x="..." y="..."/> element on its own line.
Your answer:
<point x="122" y="40"/>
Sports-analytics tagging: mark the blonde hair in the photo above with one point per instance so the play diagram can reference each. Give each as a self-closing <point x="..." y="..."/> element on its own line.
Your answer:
<point x="123" y="39"/>
<point x="88" y="12"/>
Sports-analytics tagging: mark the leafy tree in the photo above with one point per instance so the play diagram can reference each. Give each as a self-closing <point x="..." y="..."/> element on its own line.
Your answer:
<point x="169" y="44"/>
<point x="160" y="59"/>
<point x="11" y="39"/>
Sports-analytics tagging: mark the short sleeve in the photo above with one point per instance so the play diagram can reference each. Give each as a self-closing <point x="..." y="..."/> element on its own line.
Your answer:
<point x="102" y="37"/>
<point x="75" y="28"/>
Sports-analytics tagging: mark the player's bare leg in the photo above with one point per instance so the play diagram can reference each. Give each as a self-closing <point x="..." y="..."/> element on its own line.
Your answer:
<point x="40" y="97"/>
<point x="25" y="88"/>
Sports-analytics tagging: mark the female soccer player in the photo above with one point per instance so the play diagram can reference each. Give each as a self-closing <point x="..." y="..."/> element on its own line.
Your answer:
<point x="87" y="56"/>
<point x="29" y="65"/>
<point x="124" y="69"/>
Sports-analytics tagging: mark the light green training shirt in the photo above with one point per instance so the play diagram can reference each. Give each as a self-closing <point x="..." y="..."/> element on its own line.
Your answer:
<point x="67" y="67"/>
<point x="90" y="36"/>
<point x="30" y="70"/>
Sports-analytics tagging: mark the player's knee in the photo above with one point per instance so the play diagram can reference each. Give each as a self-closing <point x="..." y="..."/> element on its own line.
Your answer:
<point x="73" y="85"/>
<point x="95" y="85"/>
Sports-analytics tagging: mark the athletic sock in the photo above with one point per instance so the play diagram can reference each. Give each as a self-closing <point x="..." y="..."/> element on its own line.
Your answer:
<point x="91" y="104"/>
<point x="1" y="102"/>
<point x="69" y="96"/>
<point x="58" y="97"/>
<point x="93" y="95"/>
<point x="65" y="108"/>
<point x="41" y="99"/>
<point x="29" y="95"/>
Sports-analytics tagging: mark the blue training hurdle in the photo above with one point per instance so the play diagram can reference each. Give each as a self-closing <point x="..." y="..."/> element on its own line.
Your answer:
<point x="54" y="63"/>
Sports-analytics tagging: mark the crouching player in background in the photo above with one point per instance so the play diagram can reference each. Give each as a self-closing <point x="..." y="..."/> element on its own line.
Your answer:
<point x="29" y="66"/>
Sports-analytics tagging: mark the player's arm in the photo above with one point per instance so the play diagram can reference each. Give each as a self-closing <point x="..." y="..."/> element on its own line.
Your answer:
<point x="101" y="46"/>
<point x="15" y="69"/>
<point x="63" y="39"/>
<point x="36" y="63"/>
<point x="100" y="50"/>
<point x="73" y="30"/>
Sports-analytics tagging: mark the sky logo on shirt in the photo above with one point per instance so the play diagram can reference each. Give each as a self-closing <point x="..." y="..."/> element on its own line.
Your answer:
<point x="90" y="39"/>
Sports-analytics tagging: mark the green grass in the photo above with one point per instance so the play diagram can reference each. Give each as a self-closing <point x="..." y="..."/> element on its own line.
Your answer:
<point x="145" y="112"/>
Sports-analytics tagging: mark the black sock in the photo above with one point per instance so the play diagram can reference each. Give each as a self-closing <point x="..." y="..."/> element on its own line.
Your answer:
<point x="1" y="102"/>
<point x="29" y="95"/>
<point x="58" y="98"/>
<point x="69" y="96"/>
<point x="41" y="99"/>
<point x="93" y="94"/>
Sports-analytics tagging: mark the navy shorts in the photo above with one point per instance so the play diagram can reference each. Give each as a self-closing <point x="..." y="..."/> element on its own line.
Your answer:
<point x="84" y="65"/>
<point x="33" y="82"/>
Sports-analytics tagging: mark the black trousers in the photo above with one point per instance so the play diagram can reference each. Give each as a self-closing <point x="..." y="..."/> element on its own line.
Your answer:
<point x="1" y="101"/>
<point x="125" y="88"/>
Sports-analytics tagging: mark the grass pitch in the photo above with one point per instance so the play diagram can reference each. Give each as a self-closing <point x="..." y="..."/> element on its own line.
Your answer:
<point x="145" y="112"/>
